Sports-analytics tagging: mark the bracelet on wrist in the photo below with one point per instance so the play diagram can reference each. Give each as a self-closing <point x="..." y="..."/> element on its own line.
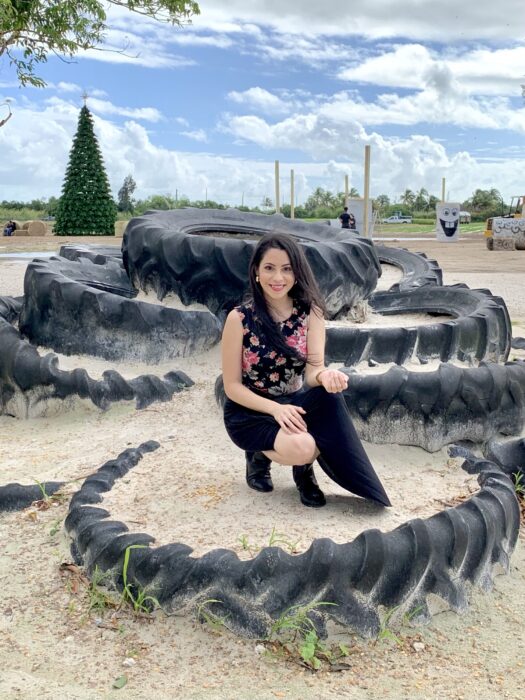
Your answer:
<point x="318" y="375"/>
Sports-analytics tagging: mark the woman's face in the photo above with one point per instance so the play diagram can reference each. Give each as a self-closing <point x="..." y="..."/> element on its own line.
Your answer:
<point x="275" y="273"/>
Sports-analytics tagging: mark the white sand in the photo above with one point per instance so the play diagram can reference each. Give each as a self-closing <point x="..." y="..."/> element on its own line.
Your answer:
<point x="192" y="490"/>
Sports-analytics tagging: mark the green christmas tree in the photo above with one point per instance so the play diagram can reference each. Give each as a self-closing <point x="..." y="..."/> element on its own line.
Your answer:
<point x="86" y="207"/>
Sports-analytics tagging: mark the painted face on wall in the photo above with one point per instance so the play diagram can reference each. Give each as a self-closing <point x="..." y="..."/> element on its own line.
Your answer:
<point x="449" y="220"/>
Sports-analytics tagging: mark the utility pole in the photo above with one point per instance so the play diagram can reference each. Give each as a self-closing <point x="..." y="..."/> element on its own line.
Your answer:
<point x="277" y="195"/>
<point x="367" y="189"/>
<point x="292" y="196"/>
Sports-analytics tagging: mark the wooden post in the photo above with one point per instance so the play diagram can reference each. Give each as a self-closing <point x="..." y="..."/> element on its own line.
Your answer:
<point x="292" y="196"/>
<point x="367" y="190"/>
<point x="277" y="195"/>
<point x="346" y="190"/>
<point x="443" y="189"/>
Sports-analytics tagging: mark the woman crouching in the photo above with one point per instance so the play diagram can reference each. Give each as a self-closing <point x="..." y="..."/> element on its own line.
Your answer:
<point x="283" y="405"/>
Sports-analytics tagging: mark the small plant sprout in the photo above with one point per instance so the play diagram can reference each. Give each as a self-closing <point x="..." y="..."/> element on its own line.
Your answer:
<point x="300" y="636"/>
<point x="243" y="539"/>
<point x="55" y="527"/>
<point x="279" y="538"/>
<point x="134" y="593"/>
<point x="409" y="616"/>
<point x="47" y="500"/>
<point x="98" y="598"/>
<point x="385" y="632"/>
<point x="42" y="487"/>
<point x="519" y="483"/>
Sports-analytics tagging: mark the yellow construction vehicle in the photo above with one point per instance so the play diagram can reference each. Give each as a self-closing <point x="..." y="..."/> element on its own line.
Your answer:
<point x="507" y="232"/>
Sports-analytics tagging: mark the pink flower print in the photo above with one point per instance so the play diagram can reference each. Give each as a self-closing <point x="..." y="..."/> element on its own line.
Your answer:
<point x="272" y="354"/>
<point x="298" y="340"/>
<point x="280" y="361"/>
<point x="254" y="340"/>
<point x="249" y="358"/>
<point x="259" y="384"/>
<point x="245" y="331"/>
<point x="295" y="383"/>
<point x="274" y="376"/>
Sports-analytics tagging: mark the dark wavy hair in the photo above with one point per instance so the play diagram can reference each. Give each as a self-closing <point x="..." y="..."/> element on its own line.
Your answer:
<point x="305" y="289"/>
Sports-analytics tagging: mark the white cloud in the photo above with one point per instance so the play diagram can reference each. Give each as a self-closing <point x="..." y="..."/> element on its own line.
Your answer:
<point x="66" y="87"/>
<point x="448" y="20"/>
<point x="132" y="48"/>
<point x="95" y="92"/>
<point x="260" y="99"/>
<point x="189" y="38"/>
<point x="36" y="145"/>
<point x="417" y="161"/>
<point x="98" y="106"/>
<point x="479" y="71"/>
<point x="196" y="135"/>
<point x="310" y="50"/>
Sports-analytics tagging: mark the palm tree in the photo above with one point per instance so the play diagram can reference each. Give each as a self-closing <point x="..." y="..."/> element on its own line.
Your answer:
<point x="421" y="201"/>
<point x="382" y="201"/>
<point x="408" y="198"/>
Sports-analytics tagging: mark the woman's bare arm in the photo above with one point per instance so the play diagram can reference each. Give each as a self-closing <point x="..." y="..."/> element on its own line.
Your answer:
<point x="232" y="368"/>
<point x="316" y="373"/>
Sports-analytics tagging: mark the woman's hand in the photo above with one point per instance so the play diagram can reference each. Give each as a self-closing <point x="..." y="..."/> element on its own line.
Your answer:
<point x="290" y="418"/>
<point x="333" y="380"/>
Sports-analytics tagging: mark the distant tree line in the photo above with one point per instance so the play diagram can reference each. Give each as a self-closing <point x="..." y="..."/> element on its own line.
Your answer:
<point x="321" y="204"/>
<point x="421" y="204"/>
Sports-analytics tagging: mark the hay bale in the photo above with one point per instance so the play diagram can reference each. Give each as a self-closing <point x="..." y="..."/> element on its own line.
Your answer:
<point x="20" y="230"/>
<point x="25" y="225"/>
<point x="36" y="228"/>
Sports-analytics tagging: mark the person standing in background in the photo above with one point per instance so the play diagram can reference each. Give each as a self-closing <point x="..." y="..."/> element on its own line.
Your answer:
<point x="345" y="218"/>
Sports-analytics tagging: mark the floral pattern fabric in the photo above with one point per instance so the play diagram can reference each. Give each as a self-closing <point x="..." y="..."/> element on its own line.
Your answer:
<point x="263" y="369"/>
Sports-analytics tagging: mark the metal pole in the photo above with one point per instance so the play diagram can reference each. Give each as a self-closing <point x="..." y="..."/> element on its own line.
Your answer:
<point x="346" y="190"/>
<point x="292" y="196"/>
<point x="443" y="180"/>
<point x="277" y="196"/>
<point x="367" y="190"/>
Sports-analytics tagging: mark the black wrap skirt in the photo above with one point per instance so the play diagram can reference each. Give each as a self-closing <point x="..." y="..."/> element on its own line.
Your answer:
<point x="342" y="457"/>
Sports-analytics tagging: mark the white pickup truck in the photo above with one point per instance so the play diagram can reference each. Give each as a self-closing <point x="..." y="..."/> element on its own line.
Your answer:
<point x="398" y="220"/>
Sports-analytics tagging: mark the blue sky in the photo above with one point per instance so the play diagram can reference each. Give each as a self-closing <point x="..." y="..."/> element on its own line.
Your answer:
<point x="434" y="88"/>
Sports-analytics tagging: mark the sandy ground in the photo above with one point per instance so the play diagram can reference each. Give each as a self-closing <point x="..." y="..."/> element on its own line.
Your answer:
<point x="51" y="646"/>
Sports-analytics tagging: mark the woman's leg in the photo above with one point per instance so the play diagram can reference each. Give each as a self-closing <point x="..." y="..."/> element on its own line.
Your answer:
<point x="295" y="448"/>
<point x="342" y="456"/>
<point x="299" y="450"/>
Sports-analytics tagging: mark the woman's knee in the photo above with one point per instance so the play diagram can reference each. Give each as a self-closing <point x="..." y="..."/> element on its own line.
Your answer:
<point x="300" y="446"/>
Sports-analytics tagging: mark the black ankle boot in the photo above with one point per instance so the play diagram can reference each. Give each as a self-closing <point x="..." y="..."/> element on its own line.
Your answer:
<point x="309" y="491"/>
<point x="258" y="472"/>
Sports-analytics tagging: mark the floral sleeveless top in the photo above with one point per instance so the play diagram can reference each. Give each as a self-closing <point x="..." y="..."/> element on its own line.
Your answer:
<point x="263" y="369"/>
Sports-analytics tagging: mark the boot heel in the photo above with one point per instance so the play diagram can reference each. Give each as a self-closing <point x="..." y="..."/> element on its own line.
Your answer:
<point x="258" y="472"/>
<point x="309" y="491"/>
